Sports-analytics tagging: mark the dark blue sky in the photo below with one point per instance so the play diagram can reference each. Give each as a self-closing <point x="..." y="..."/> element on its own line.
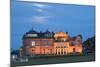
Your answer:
<point x="74" y="19"/>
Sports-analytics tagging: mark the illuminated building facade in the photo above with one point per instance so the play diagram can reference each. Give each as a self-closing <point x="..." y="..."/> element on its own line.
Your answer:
<point x="37" y="42"/>
<point x="49" y="43"/>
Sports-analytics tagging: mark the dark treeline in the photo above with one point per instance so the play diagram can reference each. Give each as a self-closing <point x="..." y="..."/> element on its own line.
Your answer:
<point x="89" y="45"/>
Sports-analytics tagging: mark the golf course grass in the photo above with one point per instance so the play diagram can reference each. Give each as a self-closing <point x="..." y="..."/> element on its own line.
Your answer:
<point x="56" y="59"/>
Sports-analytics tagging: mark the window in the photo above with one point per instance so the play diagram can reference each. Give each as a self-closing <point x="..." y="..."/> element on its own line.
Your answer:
<point x="64" y="52"/>
<point x="33" y="43"/>
<point x="32" y="35"/>
<point x="56" y="51"/>
<point x="48" y="35"/>
<point x="61" y="46"/>
<point x="73" y="49"/>
<point x="65" y="46"/>
<point x="58" y="46"/>
<point x="32" y="50"/>
<point x="64" y="39"/>
<point x="59" y="53"/>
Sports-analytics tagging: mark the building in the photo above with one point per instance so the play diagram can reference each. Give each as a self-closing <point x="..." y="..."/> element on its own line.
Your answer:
<point x="49" y="43"/>
<point x="76" y="44"/>
<point x="64" y="44"/>
<point x="35" y="42"/>
<point x="61" y="43"/>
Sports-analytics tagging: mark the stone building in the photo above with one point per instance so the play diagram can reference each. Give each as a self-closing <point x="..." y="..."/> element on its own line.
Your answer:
<point x="35" y="42"/>
<point x="50" y="43"/>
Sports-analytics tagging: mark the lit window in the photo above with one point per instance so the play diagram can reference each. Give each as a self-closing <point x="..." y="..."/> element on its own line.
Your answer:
<point x="33" y="43"/>
<point x="32" y="35"/>
<point x="64" y="39"/>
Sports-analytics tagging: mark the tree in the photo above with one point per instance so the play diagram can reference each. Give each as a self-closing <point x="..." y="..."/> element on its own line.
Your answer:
<point x="89" y="45"/>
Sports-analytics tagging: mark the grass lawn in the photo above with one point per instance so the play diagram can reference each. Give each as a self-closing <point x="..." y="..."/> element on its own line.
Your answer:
<point x="56" y="59"/>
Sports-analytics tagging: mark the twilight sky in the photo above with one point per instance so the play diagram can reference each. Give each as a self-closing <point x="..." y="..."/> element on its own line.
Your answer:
<point x="74" y="19"/>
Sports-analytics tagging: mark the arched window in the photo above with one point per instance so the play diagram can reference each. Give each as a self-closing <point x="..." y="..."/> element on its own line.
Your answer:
<point x="61" y="51"/>
<point x="50" y="51"/>
<point x="73" y="49"/>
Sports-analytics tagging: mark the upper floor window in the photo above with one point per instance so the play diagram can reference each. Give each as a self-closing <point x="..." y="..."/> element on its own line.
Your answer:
<point x="48" y="35"/>
<point x="33" y="43"/>
<point x="65" y="46"/>
<point x="32" y="35"/>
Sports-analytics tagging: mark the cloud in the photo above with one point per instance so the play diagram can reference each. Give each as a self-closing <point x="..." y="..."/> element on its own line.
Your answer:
<point x="39" y="10"/>
<point x="39" y="5"/>
<point x="40" y="19"/>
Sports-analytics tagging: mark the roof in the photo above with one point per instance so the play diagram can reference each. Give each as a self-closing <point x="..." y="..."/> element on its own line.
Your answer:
<point x="40" y="34"/>
<point x="32" y="31"/>
<point x="61" y="34"/>
<point x="47" y="32"/>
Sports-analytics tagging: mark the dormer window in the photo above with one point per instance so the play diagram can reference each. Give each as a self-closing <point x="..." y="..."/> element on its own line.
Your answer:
<point x="32" y="35"/>
<point x="48" y="35"/>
